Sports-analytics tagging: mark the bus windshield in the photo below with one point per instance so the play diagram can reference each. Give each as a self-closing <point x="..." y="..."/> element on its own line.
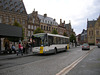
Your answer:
<point x="39" y="39"/>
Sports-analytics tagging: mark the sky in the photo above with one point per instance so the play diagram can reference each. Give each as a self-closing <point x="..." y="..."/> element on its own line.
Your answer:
<point x="76" y="11"/>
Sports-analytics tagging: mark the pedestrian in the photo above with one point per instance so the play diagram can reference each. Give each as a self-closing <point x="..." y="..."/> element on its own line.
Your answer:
<point x="24" y="46"/>
<point x="6" y="46"/>
<point x="20" y="50"/>
<point x="13" y="48"/>
<point x="27" y="47"/>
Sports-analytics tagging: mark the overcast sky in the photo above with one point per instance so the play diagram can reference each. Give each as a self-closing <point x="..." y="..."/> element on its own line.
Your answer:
<point x="75" y="10"/>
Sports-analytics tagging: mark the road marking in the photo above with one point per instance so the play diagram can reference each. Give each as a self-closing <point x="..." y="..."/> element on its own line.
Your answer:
<point x="71" y="66"/>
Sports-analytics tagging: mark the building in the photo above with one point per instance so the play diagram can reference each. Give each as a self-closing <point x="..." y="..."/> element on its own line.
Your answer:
<point x="78" y="39"/>
<point x="11" y="11"/>
<point x="69" y="29"/>
<point x="61" y="28"/>
<point x="33" y="22"/>
<point x="47" y="24"/>
<point x="97" y="31"/>
<point x="93" y="31"/>
<point x="83" y="36"/>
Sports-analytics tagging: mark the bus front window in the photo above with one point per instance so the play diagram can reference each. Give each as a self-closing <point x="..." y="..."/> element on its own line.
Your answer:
<point x="39" y="39"/>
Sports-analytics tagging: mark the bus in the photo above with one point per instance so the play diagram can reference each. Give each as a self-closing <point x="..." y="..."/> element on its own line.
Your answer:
<point x="44" y="43"/>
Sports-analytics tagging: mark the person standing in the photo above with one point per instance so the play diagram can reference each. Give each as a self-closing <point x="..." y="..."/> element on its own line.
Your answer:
<point x="20" y="50"/>
<point x="24" y="46"/>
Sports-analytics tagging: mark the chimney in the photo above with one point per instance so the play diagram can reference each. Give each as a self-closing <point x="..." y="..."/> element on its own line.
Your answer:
<point x="64" y="22"/>
<point x="60" y="21"/>
<point x="36" y="12"/>
<point x="54" y="20"/>
<point x="45" y="15"/>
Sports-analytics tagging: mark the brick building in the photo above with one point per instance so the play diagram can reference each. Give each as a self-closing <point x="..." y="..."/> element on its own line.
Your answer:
<point x="11" y="11"/>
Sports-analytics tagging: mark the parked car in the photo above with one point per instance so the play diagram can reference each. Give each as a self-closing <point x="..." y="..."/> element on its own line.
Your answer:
<point x="85" y="46"/>
<point x="98" y="45"/>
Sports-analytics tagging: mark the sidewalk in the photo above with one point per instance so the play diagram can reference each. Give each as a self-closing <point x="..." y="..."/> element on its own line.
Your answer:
<point x="13" y="56"/>
<point x="89" y="65"/>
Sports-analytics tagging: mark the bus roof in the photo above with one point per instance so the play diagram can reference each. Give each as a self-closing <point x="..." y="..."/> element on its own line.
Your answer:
<point x="56" y="35"/>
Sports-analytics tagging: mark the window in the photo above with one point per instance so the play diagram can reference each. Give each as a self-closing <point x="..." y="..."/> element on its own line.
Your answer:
<point x="28" y="33"/>
<point x="31" y="32"/>
<point x="28" y="26"/>
<point x="23" y="21"/>
<point x="32" y="27"/>
<point x="97" y="32"/>
<point x="51" y="22"/>
<point x="13" y="19"/>
<point x="45" y="21"/>
<point x="41" y="20"/>
<point x="48" y="22"/>
<point x="44" y="27"/>
<point x="33" y="20"/>
<point x="41" y="27"/>
<point x="52" y="29"/>
<point x="18" y="20"/>
<point x="7" y="19"/>
<point x="47" y="27"/>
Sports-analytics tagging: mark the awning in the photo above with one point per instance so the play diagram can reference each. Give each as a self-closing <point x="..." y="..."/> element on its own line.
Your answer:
<point x="10" y="31"/>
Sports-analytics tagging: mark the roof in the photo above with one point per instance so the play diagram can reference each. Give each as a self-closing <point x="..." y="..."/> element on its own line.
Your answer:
<point x="56" y="35"/>
<point x="91" y="23"/>
<point x="13" y="6"/>
<point x="47" y="19"/>
<point x="10" y="31"/>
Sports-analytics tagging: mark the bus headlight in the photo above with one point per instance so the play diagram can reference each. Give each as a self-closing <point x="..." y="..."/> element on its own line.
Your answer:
<point x="45" y="50"/>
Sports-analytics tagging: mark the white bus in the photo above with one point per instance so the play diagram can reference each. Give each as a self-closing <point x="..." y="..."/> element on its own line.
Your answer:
<point x="44" y="43"/>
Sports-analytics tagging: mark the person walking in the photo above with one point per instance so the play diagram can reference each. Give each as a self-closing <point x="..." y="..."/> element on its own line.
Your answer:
<point x="20" y="50"/>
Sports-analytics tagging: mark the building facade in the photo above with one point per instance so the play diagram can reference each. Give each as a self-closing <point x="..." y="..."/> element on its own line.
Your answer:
<point x="11" y="11"/>
<point x="47" y="24"/>
<point x="61" y="28"/>
<point x="33" y="22"/>
<point x="97" y="31"/>
<point x="93" y="31"/>
<point x="83" y="36"/>
<point x="69" y="29"/>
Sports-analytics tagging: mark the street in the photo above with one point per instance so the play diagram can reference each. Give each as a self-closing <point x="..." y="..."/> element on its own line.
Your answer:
<point x="40" y="64"/>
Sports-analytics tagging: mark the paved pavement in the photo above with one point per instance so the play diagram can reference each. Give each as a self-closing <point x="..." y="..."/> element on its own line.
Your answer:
<point x="89" y="65"/>
<point x="13" y="56"/>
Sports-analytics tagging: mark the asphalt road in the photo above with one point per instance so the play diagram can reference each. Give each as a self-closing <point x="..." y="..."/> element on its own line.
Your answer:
<point x="40" y="64"/>
<point x="88" y="66"/>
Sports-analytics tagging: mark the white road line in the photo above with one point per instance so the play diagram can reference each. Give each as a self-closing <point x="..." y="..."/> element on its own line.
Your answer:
<point x="71" y="66"/>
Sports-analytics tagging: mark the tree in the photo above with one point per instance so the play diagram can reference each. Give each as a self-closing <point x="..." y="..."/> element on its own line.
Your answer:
<point x="54" y="32"/>
<point x="15" y="39"/>
<point x="72" y="38"/>
<point x="38" y="30"/>
<point x="64" y="34"/>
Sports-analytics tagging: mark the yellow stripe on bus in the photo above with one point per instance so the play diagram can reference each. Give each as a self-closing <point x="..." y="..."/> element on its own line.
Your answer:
<point x="67" y="46"/>
<point x="41" y="49"/>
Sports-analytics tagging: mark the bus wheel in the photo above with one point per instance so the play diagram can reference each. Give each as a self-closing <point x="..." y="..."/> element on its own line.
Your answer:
<point x="55" y="50"/>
